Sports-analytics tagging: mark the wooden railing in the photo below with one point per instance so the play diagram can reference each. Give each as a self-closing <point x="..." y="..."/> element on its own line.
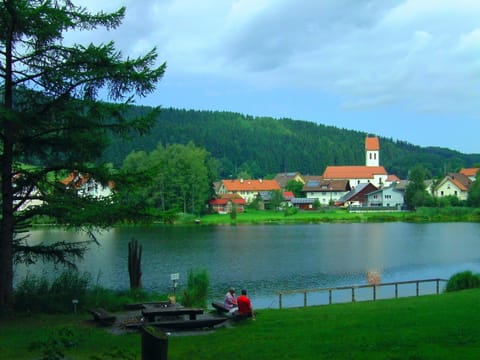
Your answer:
<point x="357" y="287"/>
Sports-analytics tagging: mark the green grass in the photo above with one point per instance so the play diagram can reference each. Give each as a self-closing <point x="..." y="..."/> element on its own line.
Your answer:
<point x="428" y="327"/>
<point x="342" y="215"/>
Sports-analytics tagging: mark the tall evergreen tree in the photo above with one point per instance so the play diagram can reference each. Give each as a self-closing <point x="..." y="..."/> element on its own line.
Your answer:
<point x="51" y="117"/>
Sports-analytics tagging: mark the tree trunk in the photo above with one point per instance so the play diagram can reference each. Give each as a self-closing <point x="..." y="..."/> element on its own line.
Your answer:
<point x="134" y="264"/>
<point x="7" y="222"/>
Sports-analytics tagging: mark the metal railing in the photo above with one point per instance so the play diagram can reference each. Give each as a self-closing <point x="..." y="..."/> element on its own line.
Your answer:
<point x="353" y="288"/>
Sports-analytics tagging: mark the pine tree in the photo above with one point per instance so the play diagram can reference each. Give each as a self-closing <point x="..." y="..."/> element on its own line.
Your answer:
<point x="52" y="122"/>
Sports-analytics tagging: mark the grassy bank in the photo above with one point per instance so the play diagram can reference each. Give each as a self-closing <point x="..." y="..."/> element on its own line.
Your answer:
<point x="342" y="215"/>
<point x="428" y="327"/>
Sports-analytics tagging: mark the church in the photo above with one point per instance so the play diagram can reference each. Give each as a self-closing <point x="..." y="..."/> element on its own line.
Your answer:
<point x="371" y="172"/>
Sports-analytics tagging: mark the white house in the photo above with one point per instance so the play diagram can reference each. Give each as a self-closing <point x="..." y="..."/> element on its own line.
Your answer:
<point x="454" y="184"/>
<point x="326" y="191"/>
<point x="391" y="196"/>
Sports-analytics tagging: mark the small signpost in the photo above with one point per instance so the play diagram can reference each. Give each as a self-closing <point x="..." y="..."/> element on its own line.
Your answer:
<point x="174" y="278"/>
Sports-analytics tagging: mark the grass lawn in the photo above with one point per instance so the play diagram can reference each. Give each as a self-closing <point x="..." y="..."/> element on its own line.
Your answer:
<point x="341" y="215"/>
<point x="442" y="326"/>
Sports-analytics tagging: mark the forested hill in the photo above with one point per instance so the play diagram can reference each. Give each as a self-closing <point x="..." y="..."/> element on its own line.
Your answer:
<point x="263" y="146"/>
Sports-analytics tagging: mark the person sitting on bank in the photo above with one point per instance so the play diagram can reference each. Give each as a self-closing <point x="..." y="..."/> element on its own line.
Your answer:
<point x="230" y="301"/>
<point x="245" y="308"/>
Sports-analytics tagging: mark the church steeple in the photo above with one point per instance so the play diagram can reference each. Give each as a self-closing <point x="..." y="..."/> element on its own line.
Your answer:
<point x="372" y="151"/>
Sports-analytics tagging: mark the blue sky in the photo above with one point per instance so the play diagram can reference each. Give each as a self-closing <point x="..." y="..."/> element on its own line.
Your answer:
<point x="406" y="70"/>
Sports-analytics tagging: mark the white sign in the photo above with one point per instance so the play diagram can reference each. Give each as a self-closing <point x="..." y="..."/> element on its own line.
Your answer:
<point x="175" y="276"/>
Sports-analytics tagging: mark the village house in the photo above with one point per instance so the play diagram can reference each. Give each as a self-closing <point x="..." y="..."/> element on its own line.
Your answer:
<point x="471" y="173"/>
<point x="327" y="192"/>
<point x="226" y="202"/>
<point x="266" y="196"/>
<point x="283" y="178"/>
<point x="454" y="184"/>
<point x="391" y="196"/>
<point x="372" y="172"/>
<point x="357" y="196"/>
<point x="247" y="189"/>
<point x="85" y="185"/>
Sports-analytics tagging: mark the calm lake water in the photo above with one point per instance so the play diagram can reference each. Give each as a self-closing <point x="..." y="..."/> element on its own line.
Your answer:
<point x="266" y="259"/>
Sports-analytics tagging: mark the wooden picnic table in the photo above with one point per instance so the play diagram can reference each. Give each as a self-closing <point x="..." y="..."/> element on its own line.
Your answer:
<point x="150" y="314"/>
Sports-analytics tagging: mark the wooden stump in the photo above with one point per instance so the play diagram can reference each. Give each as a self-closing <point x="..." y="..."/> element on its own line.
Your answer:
<point x="154" y="344"/>
<point x="134" y="264"/>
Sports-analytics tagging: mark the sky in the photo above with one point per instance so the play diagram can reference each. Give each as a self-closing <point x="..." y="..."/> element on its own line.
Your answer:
<point x="407" y="70"/>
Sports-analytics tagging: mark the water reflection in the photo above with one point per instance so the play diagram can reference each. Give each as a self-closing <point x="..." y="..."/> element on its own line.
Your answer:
<point x="266" y="259"/>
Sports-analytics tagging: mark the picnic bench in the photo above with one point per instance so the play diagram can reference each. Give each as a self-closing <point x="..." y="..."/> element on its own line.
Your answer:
<point x="151" y="314"/>
<point x="102" y="316"/>
<point x="144" y="305"/>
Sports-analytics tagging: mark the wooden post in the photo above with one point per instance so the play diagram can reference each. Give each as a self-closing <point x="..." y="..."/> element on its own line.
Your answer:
<point x="134" y="264"/>
<point x="154" y="344"/>
<point x="417" y="283"/>
<point x="279" y="300"/>
<point x="396" y="290"/>
<point x="438" y="286"/>
<point x="353" y="294"/>
<point x="305" y="299"/>
<point x="330" y="296"/>
<point x="374" y="292"/>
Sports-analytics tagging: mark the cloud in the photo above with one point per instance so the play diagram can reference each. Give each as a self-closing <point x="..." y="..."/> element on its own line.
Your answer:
<point x="422" y="54"/>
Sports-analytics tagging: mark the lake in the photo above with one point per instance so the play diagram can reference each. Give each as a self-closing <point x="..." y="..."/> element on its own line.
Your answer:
<point x="266" y="259"/>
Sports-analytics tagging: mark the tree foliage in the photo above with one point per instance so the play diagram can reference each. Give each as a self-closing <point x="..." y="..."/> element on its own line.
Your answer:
<point x="416" y="193"/>
<point x="51" y="118"/>
<point x="296" y="187"/>
<point x="175" y="177"/>
<point x="259" y="146"/>
<point x="474" y="192"/>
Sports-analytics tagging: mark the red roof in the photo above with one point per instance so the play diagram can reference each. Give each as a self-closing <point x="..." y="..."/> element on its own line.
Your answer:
<point x="250" y="185"/>
<point x="469" y="171"/>
<point x="225" y="198"/>
<point x="225" y="201"/>
<point x="372" y="143"/>
<point x="353" y="172"/>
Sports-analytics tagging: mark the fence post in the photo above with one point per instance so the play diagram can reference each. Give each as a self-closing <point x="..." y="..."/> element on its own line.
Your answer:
<point x="396" y="290"/>
<point x="305" y="299"/>
<point x="417" y="283"/>
<point x="438" y="286"/>
<point x="154" y="344"/>
<point x="330" y="296"/>
<point x="353" y="294"/>
<point x="374" y="293"/>
<point x="279" y="300"/>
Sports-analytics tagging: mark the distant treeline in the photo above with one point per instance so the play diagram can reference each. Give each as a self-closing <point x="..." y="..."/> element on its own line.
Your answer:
<point x="263" y="146"/>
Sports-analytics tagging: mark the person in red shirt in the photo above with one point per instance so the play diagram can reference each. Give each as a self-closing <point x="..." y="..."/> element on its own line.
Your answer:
<point x="244" y="304"/>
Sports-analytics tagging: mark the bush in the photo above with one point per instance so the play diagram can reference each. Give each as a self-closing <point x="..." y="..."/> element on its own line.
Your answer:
<point x="70" y="285"/>
<point x="463" y="280"/>
<point x="35" y="294"/>
<point x="196" y="294"/>
<point x="31" y="294"/>
<point x="290" y="210"/>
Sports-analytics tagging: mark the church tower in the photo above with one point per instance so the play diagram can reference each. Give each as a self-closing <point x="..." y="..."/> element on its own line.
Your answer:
<point x="372" y="151"/>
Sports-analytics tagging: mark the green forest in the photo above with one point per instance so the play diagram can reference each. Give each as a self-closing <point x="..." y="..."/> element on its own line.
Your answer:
<point x="264" y="146"/>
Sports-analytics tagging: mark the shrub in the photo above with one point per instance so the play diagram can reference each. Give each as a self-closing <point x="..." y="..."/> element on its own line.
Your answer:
<point x="68" y="286"/>
<point x="463" y="280"/>
<point x="35" y="294"/>
<point x="31" y="294"/>
<point x="196" y="293"/>
<point x="290" y="210"/>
